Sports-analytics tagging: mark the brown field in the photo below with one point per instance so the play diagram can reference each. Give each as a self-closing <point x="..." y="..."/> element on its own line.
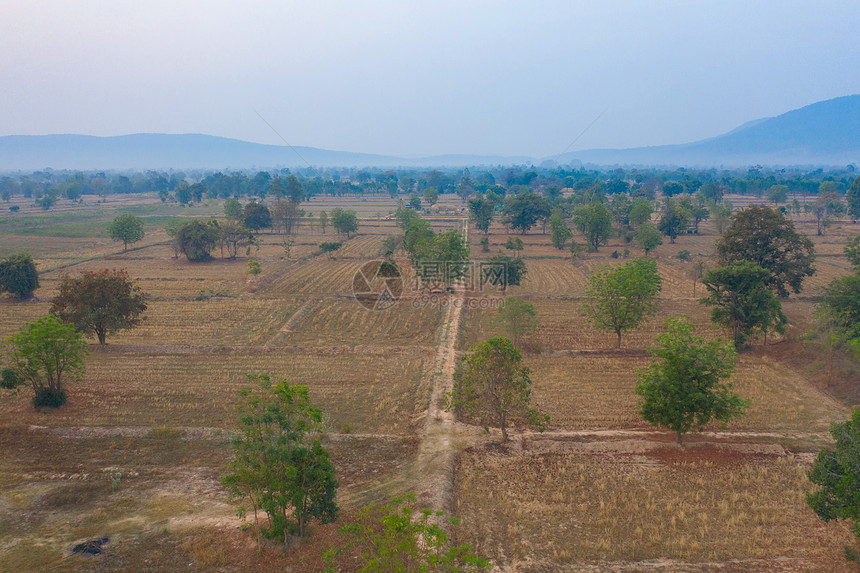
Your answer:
<point x="600" y="491"/>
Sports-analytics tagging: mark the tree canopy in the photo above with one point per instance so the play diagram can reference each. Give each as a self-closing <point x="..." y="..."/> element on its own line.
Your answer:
<point x="517" y="318"/>
<point x="196" y="239"/>
<point x="683" y="388"/>
<point x="765" y="237"/>
<point x="559" y="231"/>
<point x="47" y="354"/>
<point x="18" y="275"/>
<point x="279" y="465"/>
<point x="502" y="271"/>
<point x="594" y="221"/>
<point x="837" y="473"/>
<point x="523" y="210"/>
<point x="621" y="298"/>
<point x="256" y="216"/>
<point x="742" y="301"/>
<point x="344" y="221"/>
<point x="492" y="388"/>
<point x="126" y="228"/>
<point x="481" y="212"/>
<point x="100" y="302"/>
<point x="674" y="219"/>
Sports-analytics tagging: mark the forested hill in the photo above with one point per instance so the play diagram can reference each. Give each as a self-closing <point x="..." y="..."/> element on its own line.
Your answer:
<point x="190" y="151"/>
<point x="823" y="133"/>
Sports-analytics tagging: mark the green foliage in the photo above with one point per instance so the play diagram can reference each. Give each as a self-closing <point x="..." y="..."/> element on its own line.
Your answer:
<point x="559" y="231"/>
<point x="46" y="353"/>
<point x="742" y="300"/>
<point x="852" y="198"/>
<point x="18" y="275"/>
<point x="196" y="239"/>
<point x="852" y="251"/>
<point x="683" y="388"/>
<point x="279" y="465"/>
<point x="344" y="221"/>
<point x="841" y="302"/>
<point x="640" y="211"/>
<point x="492" y="388"/>
<point x="126" y="228"/>
<point x="777" y="194"/>
<point x="48" y="398"/>
<point x="502" y="271"/>
<point x="485" y="244"/>
<point x="647" y="237"/>
<point x="517" y="318"/>
<point x="837" y="473"/>
<point x="514" y="244"/>
<point x="233" y="236"/>
<point x="523" y="210"/>
<point x="10" y="379"/>
<point x="431" y="195"/>
<point x="765" y="237"/>
<point x="674" y="219"/>
<point x="481" y="212"/>
<point x="256" y="216"/>
<point x="594" y="221"/>
<point x="330" y="247"/>
<point x="825" y="206"/>
<point x="684" y="255"/>
<point x="398" y="536"/>
<point x="233" y="209"/>
<point x="323" y="221"/>
<point x="99" y="302"/>
<point x="622" y="298"/>
<point x="254" y="267"/>
<point x="414" y="201"/>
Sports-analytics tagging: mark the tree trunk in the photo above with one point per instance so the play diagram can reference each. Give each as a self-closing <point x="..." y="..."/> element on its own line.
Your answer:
<point x="618" y="344"/>
<point x="680" y="438"/>
<point x="101" y="334"/>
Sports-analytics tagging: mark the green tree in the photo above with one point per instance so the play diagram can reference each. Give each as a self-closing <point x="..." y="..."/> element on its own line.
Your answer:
<point x="279" y="465"/>
<point x="764" y="236"/>
<point x="233" y="209"/>
<point x="18" y="275"/>
<point x="233" y="236"/>
<point x="672" y="188"/>
<point x="293" y="189"/>
<point x="777" y="194"/>
<point x="621" y="298"/>
<point x="196" y="239"/>
<point x="517" y="318"/>
<point x="449" y="248"/>
<point x="683" y="388"/>
<point x="286" y="215"/>
<point x="256" y="216"/>
<point x="344" y="221"/>
<point x="674" y="219"/>
<point x="126" y="228"/>
<point x="559" y="231"/>
<point x="852" y="197"/>
<point x="841" y="301"/>
<point x="492" y="388"/>
<point x="721" y="214"/>
<point x="481" y="212"/>
<point x="837" y="473"/>
<point x="330" y="247"/>
<point x="640" y="211"/>
<point x="742" y="301"/>
<point x="514" y="244"/>
<point x="647" y="237"/>
<point x="47" y="354"/>
<point x="323" y="221"/>
<point x="431" y="195"/>
<point x="523" y="210"/>
<point x="100" y="302"/>
<point x="398" y="536"/>
<point x="825" y="206"/>
<point x="502" y="271"/>
<point x="852" y="251"/>
<point x="594" y="221"/>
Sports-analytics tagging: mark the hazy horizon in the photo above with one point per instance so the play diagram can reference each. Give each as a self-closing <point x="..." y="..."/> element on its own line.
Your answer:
<point x="419" y="80"/>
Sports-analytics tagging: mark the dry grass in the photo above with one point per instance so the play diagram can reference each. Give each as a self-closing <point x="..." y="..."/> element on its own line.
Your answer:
<point x="689" y="506"/>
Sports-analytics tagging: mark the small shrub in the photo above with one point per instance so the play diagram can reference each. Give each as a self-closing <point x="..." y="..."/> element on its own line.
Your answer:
<point x="10" y="379"/>
<point x="684" y="255"/>
<point x="615" y="254"/>
<point x="48" y="398"/>
<point x="165" y="433"/>
<point x="14" y="208"/>
<point x="254" y="268"/>
<point x="485" y="245"/>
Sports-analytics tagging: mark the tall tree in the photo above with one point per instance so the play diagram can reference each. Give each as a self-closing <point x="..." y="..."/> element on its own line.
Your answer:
<point x="517" y="318"/>
<point x="523" y="210"/>
<point x="100" y="302"/>
<point x="674" y="219"/>
<point x="47" y="353"/>
<point x="559" y="231"/>
<point x="765" y="237"/>
<point x="837" y="473"/>
<point x="344" y="221"/>
<point x="126" y="228"/>
<point x="492" y="388"/>
<point x="640" y="211"/>
<point x="233" y="209"/>
<point x="621" y="298"/>
<point x="647" y="237"/>
<point x="683" y="388"/>
<point x="594" y="221"/>
<point x="852" y="197"/>
<point x="279" y="465"/>
<point x="502" y="271"/>
<point x="196" y="239"/>
<point x="256" y="216"/>
<point x="742" y="301"/>
<point x="481" y="213"/>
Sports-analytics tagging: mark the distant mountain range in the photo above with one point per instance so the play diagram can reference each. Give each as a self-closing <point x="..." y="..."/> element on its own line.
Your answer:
<point x="824" y="133"/>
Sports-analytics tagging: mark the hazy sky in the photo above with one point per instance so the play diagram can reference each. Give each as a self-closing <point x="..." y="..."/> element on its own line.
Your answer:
<point x="421" y="78"/>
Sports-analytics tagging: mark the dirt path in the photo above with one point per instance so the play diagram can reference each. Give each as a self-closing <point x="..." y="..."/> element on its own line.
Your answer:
<point x="435" y="461"/>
